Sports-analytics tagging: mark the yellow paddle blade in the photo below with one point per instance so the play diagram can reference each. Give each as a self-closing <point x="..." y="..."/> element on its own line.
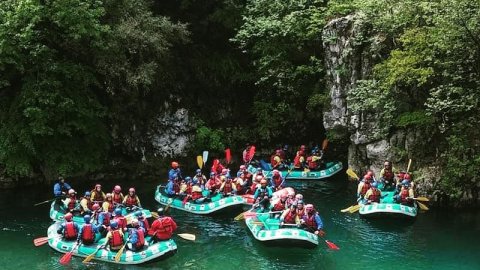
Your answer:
<point x="239" y="217"/>
<point x="422" y="206"/>
<point x="200" y="162"/>
<point x="354" y="209"/>
<point x="89" y="258"/>
<point x="346" y="209"/>
<point x="306" y="170"/>
<point x="154" y="215"/>
<point x="408" y="166"/>
<point x="422" y="199"/>
<point x="119" y="253"/>
<point x="352" y="174"/>
<point x="187" y="236"/>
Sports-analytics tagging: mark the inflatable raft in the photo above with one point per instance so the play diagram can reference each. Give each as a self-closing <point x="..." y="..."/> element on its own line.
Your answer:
<point x="331" y="168"/>
<point x="388" y="207"/>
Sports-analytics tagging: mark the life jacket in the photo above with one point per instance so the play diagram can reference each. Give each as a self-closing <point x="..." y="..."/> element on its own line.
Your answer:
<point x="375" y="196"/>
<point x="72" y="203"/>
<point x="164" y="228"/>
<point x="290" y="217"/>
<point x="212" y="183"/>
<point x="110" y="207"/>
<point x="116" y="240"/>
<point x="365" y="188"/>
<point x="273" y="161"/>
<point x="277" y="180"/>
<point x="117" y="197"/>
<point x="311" y="164"/>
<point x="388" y="174"/>
<point x="122" y="222"/>
<point x="296" y="161"/>
<point x="89" y="202"/>
<point x="96" y="196"/>
<point x="140" y="238"/>
<point x="403" y="195"/>
<point x="310" y="221"/>
<point x="227" y="188"/>
<point x="70" y="231"/>
<point x="279" y="206"/>
<point x="87" y="233"/>
<point x="131" y="201"/>
<point x="144" y="223"/>
<point x="253" y="188"/>
<point x="301" y="213"/>
<point x="189" y="188"/>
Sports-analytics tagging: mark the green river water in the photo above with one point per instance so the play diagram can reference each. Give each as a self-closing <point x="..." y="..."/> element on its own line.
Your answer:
<point x="437" y="239"/>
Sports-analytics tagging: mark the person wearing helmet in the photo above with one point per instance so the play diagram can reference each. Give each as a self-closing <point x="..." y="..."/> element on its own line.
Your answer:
<point x="363" y="187"/>
<point x="314" y="162"/>
<point x="71" y="202"/>
<point x="117" y="195"/>
<point x="276" y="160"/>
<point x="262" y="196"/>
<point x="69" y="229"/>
<point x="300" y="209"/>
<point x="85" y="203"/>
<point x="277" y="180"/>
<point x="258" y="172"/>
<point x="291" y="199"/>
<point x="103" y="220"/>
<point x="238" y="182"/>
<point x="107" y="205"/>
<point x="290" y="216"/>
<point x="115" y="237"/>
<point x="97" y="194"/>
<point x="228" y="188"/>
<point x="60" y="190"/>
<point x="87" y="232"/>
<point x="197" y="193"/>
<point x="298" y="197"/>
<point x="387" y="176"/>
<point x="142" y="221"/>
<point x="163" y="227"/>
<point x="175" y="171"/>
<point x="280" y="206"/>
<point x="373" y="195"/>
<point x="213" y="184"/>
<point x="120" y="219"/>
<point x="173" y="187"/>
<point x="311" y="221"/>
<point x="200" y="178"/>
<point x="299" y="160"/>
<point x="406" y="194"/>
<point x="136" y="240"/>
<point x="131" y="200"/>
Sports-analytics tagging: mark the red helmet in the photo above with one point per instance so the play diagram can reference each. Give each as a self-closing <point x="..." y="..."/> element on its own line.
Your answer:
<point x="131" y="190"/>
<point x="278" y="151"/>
<point x="276" y="172"/>
<point x="309" y="207"/>
<point x="303" y="147"/>
<point x="369" y="172"/>
<point x="96" y="206"/>
<point x="117" y="188"/>
<point x="407" y="176"/>
<point x="243" y="167"/>
<point x="98" y="185"/>
<point x="174" y="164"/>
<point x="68" y="216"/>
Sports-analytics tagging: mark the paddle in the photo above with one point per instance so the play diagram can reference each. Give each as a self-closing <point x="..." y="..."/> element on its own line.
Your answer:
<point x="40" y="241"/>
<point x="228" y="155"/>
<point x="251" y="153"/>
<point x="242" y="215"/>
<point x="44" y="202"/>
<point x="408" y="166"/>
<point x="68" y="256"/>
<point x="422" y="206"/>
<point x="354" y="208"/>
<point x="119" y="253"/>
<point x="91" y="256"/>
<point x="187" y="236"/>
<point x="324" y="144"/>
<point x="200" y="162"/>
<point x="422" y="199"/>
<point x="205" y="157"/>
<point x="352" y="174"/>
<point x="288" y="174"/>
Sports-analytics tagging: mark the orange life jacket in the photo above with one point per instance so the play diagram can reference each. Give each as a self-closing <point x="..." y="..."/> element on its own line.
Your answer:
<point x="72" y="202"/>
<point x="116" y="240"/>
<point x="131" y="201"/>
<point x="70" y="231"/>
<point x="87" y="233"/>
<point x="365" y="188"/>
<point x="290" y="217"/>
<point x="117" y="198"/>
<point x="140" y="238"/>
<point x="279" y="206"/>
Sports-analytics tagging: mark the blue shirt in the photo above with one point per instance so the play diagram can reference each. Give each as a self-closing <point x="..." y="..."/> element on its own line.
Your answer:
<point x="173" y="172"/>
<point x="267" y="190"/>
<point x="134" y="235"/>
<point x="169" y="189"/>
<point x="59" y="187"/>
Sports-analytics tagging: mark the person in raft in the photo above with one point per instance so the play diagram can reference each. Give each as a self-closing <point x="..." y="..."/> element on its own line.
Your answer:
<point x="276" y="160"/>
<point x="131" y="201"/>
<point x="97" y="195"/>
<point x="262" y="196"/>
<point x="87" y="232"/>
<point x="162" y="228"/>
<point x="115" y="237"/>
<point x="71" y="202"/>
<point x="406" y="194"/>
<point x="136" y="240"/>
<point x="60" y="190"/>
<point x="387" y="176"/>
<point x="311" y="221"/>
<point x="117" y="195"/>
<point x="69" y="229"/>
<point x="363" y="187"/>
<point x="201" y="179"/>
<point x="289" y="217"/>
<point x="175" y="171"/>
<point x="373" y="195"/>
<point x="173" y="188"/>
<point x="86" y="204"/>
<point x="300" y="157"/>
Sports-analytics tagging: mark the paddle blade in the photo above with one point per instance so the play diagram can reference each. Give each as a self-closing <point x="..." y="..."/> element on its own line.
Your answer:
<point x="187" y="236"/>
<point x="408" y="166"/>
<point x="89" y="258"/>
<point x="324" y="144"/>
<point x="154" y="215"/>
<point x="423" y="206"/>
<point x="352" y="174"/>
<point x="66" y="258"/>
<point x="346" y="209"/>
<point x="251" y="153"/>
<point x="200" y="162"/>
<point x="119" y="254"/>
<point x="40" y="241"/>
<point x="239" y="217"/>
<point x="205" y="157"/>
<point x="354" y="209"/>
<point x="332" y="245"/>
<point x="422" y="199"/>
<point x="228" y="155"/>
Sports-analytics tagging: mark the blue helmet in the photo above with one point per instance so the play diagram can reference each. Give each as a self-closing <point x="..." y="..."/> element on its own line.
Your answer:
<point x="114" y="225"/>
<point x="188" y="179"/>
<point x="138" y="213"/>
<point x="118" y="211"/>
<point x="405" y="183"/>
<point x="375" y="184"/>
<point x="300" y="202"/>
<point x="87" y="193"/>
<point x="199" y="171"/>
<point x="212" y="174"/>
<point x="87" y="218"/>
<point x="239" y="174"/>
<point x="195" y="181"/>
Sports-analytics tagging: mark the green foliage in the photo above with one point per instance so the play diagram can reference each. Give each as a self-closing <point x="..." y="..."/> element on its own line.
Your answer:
<point x="415" y="119"/>
<point x="338" y="135"/>
<point x="209" y="139"/>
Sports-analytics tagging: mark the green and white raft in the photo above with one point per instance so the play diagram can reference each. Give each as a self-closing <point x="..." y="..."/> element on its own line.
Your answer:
<point x="217" y="204"/>
<point x="156" y="251"/>
<point x="388" y="207"/>
<point x="331" y="168"/>
<point x="57" y="213"/>
<point x="268" y="231"/>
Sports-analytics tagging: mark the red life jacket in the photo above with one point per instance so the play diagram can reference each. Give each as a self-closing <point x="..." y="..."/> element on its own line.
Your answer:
<point x="279" y="206"/>
<point x="212" y="183"/>
<point x="310" y="221"/>
<point x="189" y="189"/>
<point x="117" y="197"/>
<point x="403" y="195"/>
<point x="140" y="238"/>
<point x="387" y="174"/>
<point x="300" y="213"/>
<point x="296" y="162"/>
<point x="227" y="188"/>
<point x="277" y="180"/>
<point x="122" y="221"/>
<point x="87" y="233"/>
<point x="116" y="240"/>
<point x="196" y="195"/>
<point x="375" y="196"/>
<point x="72" y="202"/>
<point x="110" y="207"/>
<point x="290" y="217"/>
<point x="89" y="202"/>
<point x="131" y="201"/>
<point x="311" y="164"/>
<point x="365" y="188"/>
<point x="273" y="161"/>
<point x="253" y="188"/>
<point x="163" y="228"/>
<point x="70" y="231"/>
<point x="106" y="218"/>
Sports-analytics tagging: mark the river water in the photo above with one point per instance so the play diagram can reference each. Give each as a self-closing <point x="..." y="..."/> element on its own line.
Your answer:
<point x="437" y="239"/>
